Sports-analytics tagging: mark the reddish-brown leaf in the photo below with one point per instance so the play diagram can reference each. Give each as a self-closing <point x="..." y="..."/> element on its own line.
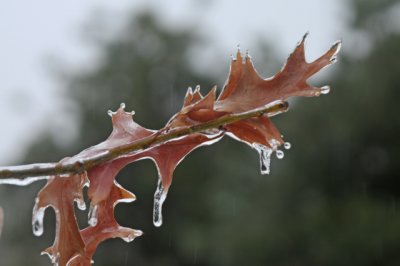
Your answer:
<point x="60" y="194"/>
<point x="246" y="90"/>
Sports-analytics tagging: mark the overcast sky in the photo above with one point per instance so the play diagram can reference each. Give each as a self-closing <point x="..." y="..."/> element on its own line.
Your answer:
<point x="31" y="32"/>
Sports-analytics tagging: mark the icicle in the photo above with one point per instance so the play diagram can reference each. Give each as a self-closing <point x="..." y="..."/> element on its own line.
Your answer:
<point x="37" y="220"/>
<point x="80" y="202"/>
<point x="92" y="215"/>
<point x="159" y="197"/>
<point x="265" y="158"/>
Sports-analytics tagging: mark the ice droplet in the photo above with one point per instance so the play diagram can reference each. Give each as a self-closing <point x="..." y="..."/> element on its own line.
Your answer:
<point x="92" y="215"/>
<point x="159" y="197"/>
<point x="238" y="48"/>
<point x="265" y="158"/>
<point x="37" y="220"/>
<point x="325" y="89"/>
<point x="132" y="236"/>
<point x="129" y="238"/>
<point x="80" y="203"/>
<point x="110" y="113"/>
<point x="247" y="54"/>
<point x="287" y="145"/>
<point x="280" y="154"/>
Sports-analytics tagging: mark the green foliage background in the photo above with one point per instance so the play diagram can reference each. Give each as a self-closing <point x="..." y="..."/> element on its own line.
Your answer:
<point x="333" y="200"/>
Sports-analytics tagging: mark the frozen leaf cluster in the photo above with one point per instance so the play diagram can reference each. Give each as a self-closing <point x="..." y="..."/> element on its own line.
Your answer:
<point x="245" y="90"/>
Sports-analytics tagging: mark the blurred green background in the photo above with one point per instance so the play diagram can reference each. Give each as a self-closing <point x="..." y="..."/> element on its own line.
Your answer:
<point x="333" y="199"/>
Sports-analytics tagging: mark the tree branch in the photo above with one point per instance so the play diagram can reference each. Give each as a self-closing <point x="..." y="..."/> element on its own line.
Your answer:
<point x="26" y="174"/>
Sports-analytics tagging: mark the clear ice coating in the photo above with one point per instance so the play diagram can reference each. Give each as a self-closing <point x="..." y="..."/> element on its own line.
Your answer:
<point x="92" y="215"/>
<point x="283" y="107"/>
<point x="37" y="220"/>
<point x="21" y="182"/>
<point x="159" y="197"/>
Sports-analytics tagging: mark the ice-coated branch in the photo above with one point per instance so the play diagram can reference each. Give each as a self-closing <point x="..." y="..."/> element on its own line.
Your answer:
<point x="26" y="174"/>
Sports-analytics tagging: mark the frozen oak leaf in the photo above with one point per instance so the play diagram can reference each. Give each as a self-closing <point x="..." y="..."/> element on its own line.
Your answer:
<point x="243" y="91"/>
<point x="166" y="156"/>
<point x="60" y="194"/>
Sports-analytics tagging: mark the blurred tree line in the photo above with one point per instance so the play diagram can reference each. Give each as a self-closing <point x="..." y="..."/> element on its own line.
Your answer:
<point x="333" y="200"/>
